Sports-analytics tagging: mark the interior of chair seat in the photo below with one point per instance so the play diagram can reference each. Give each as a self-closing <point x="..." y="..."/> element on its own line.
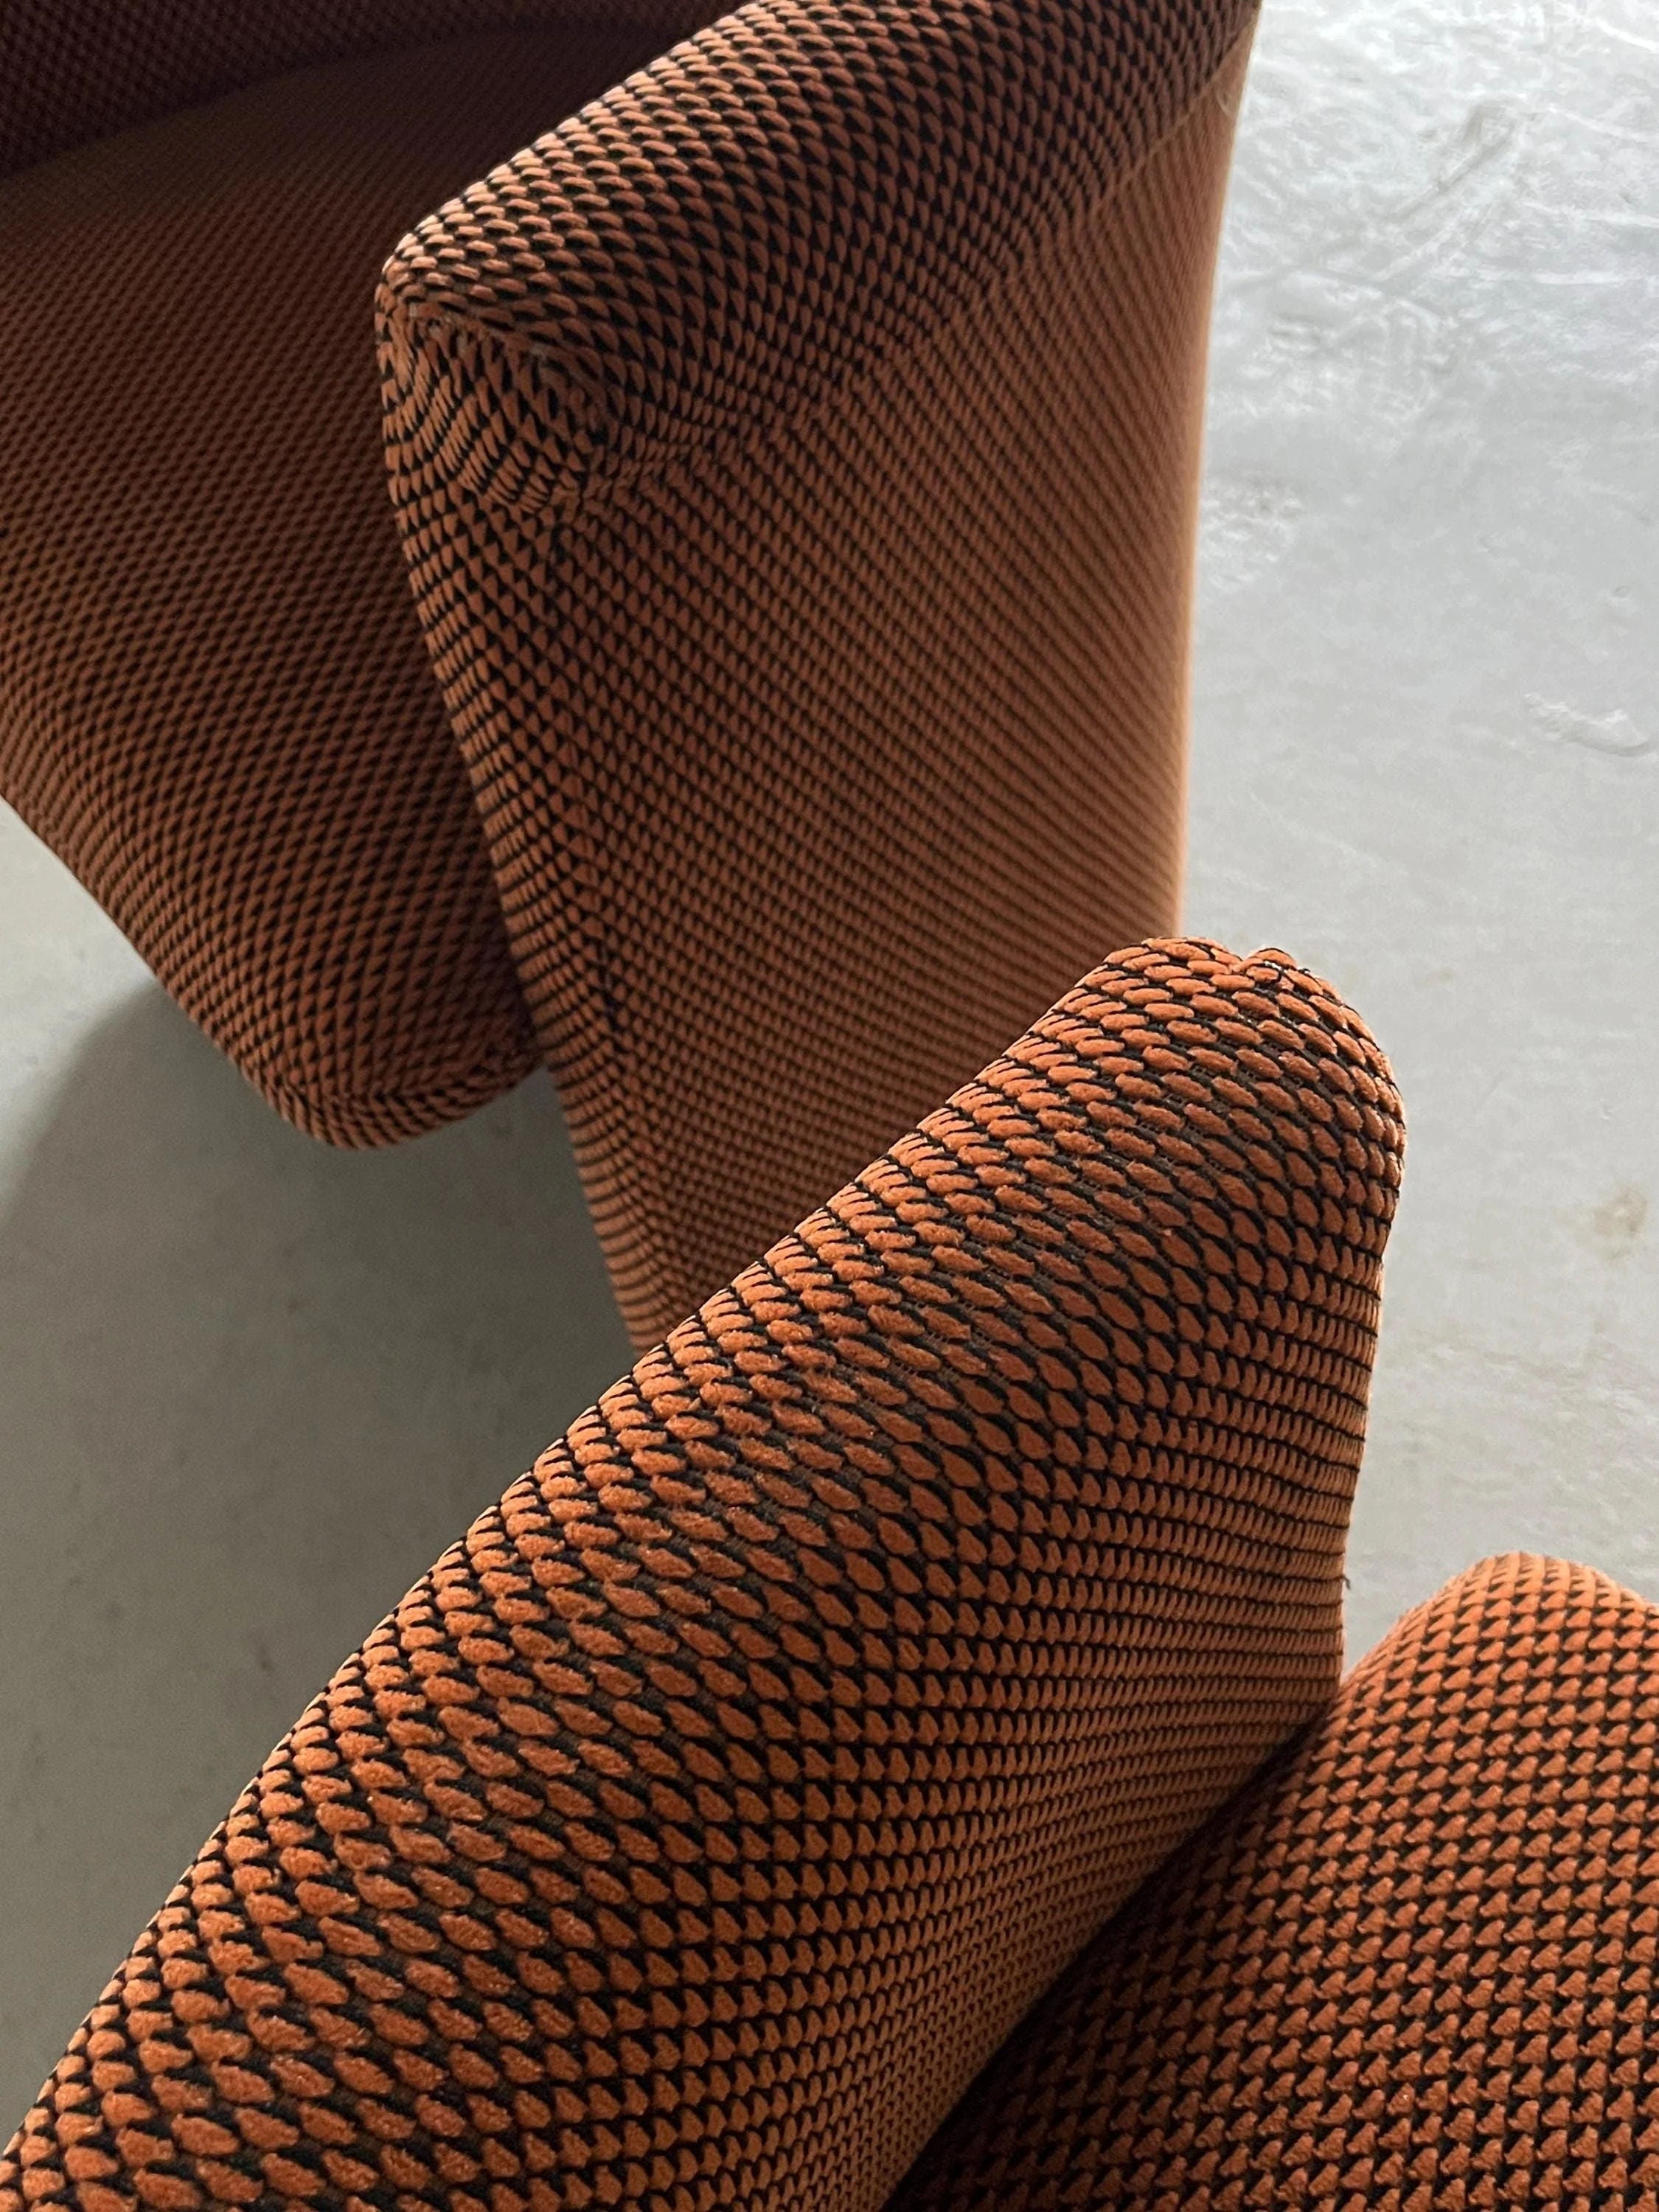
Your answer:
<point x="216" y="702"/>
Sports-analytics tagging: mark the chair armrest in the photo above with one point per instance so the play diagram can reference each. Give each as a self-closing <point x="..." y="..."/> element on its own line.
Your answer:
<point x="760" y="218"/>
<point x="695" y="1830"/>
<point x="796" y="454"/>
<point x="74" y="70"/>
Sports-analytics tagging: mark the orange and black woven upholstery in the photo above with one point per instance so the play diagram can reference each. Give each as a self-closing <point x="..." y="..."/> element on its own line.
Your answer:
<point x="1410" y="1969"/>
<point x="215" y="699"/>
<point x="74" y="71"/>
<point x="692" y="1834"/>
<point x="795" y="452"/>
<point x="796" y="455"/>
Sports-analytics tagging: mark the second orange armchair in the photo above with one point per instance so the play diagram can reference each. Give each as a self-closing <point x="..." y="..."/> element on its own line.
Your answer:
<point x="794" y="436"/>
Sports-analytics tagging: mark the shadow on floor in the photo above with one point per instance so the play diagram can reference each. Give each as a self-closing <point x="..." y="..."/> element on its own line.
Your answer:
<point x="249" y="1389"/>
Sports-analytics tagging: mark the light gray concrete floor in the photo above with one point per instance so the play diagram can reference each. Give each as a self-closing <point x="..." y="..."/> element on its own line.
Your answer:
<point x="250" y="1388"/>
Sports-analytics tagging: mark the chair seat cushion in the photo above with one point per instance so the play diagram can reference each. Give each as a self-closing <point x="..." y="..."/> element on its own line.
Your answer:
<point x="216" y="702"/>
<point x="1410" y="1967"/>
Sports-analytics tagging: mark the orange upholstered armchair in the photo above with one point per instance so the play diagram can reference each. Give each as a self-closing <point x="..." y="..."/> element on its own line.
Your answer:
<point x="716" y="1808"/>
<point x="764" y="688"/>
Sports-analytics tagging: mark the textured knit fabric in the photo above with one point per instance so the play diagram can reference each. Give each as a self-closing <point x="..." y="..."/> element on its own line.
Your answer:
<point x="73" y="71"/>
<point x="215" y="704"/>
<point x="695" y="1831"/>
<point x="1410" y="1969"/>
<point x="796" y="454"/>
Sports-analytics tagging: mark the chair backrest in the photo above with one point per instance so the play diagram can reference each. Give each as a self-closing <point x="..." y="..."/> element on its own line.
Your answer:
<point x="796" y="456"/>
<point x="73" y="71"/>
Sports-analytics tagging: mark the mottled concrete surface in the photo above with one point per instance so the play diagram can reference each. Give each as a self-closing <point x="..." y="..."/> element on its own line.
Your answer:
<point x="249" y="1387"/>
<point x="1427" y="718"/>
